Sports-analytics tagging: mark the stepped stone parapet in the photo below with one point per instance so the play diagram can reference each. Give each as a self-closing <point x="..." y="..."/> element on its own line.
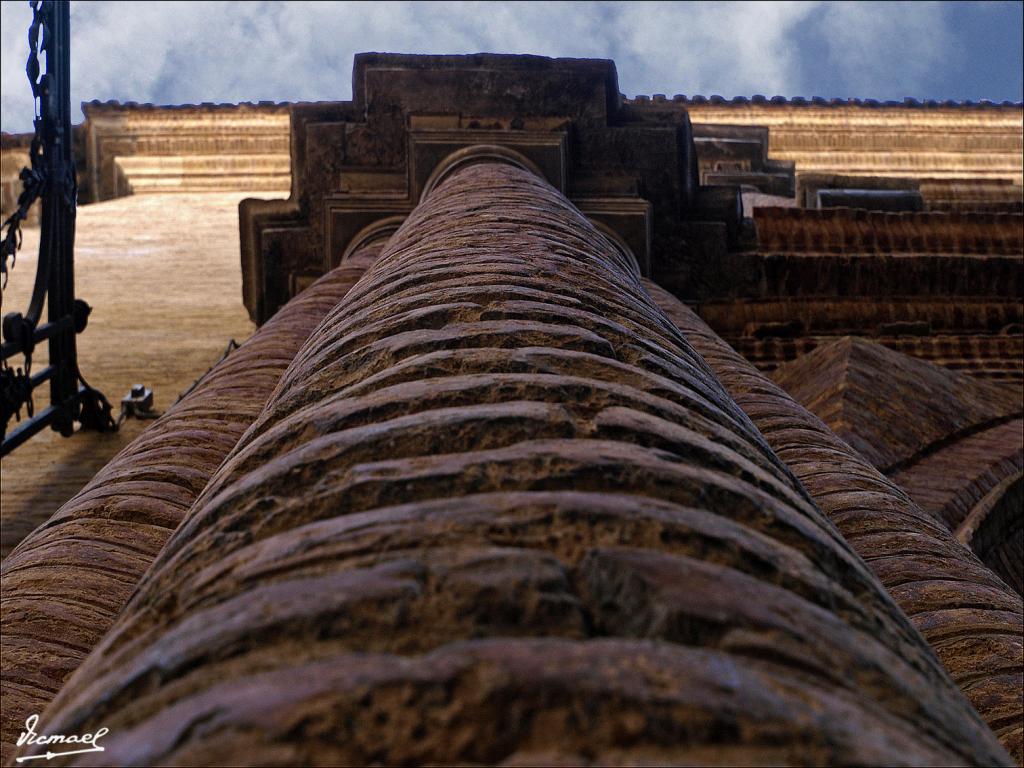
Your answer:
<point x="942" y="142"/>
<point x="142" y="148"/>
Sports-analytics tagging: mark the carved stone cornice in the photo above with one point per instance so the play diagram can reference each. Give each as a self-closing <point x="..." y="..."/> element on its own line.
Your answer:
<point x="142" y="147"/>
<point x="853" y="231"/>
<point x="996" y="356"/>
<point x="360" y="162"/>
<point x="872" y="139"/>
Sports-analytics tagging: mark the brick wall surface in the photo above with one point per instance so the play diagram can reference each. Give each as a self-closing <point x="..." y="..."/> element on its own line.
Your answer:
<point x="971" y="618"/>
<point x="892" y="408"/>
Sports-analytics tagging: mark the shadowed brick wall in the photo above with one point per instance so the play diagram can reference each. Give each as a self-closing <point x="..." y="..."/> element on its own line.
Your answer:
<point x="972" y="619"/>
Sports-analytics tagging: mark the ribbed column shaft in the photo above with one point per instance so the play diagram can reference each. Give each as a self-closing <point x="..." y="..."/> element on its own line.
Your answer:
<point x="971" y="618"/>
<point x="498" y="510"/>
<point x="65" y="583"/>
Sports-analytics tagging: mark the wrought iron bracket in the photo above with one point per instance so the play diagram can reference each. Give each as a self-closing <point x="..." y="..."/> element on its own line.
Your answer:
<point x="51" y="178"/>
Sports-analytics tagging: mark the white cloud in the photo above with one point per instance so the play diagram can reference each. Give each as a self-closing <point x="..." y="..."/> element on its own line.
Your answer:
<point x="178" y="52"/>
<point x="896" y="41"/>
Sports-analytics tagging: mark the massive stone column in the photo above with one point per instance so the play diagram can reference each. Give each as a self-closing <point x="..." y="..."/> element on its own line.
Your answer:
<point x="972" y="619"/>
<point x="64" y="585"/>
<point x="499" y="511"/>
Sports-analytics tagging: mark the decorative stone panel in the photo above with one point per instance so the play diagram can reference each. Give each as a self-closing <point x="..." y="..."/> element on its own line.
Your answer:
<point x="371" y="159"/>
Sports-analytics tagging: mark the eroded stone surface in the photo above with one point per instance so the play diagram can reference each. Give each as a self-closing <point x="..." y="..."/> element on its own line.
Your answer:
<point x="953" y="443"/>
<point x="971" y="618"/>
<point x="893" y="409"/>
<point x="499" y="510"/>
<point x="64" y="585"/>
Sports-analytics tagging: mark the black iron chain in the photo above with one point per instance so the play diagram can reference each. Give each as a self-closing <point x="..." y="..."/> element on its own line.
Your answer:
<point x="33" y="179"/>
<point x="15" y="391"/>
<point x="16" y="384"/>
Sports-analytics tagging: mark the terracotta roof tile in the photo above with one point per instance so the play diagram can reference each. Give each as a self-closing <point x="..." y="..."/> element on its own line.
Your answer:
<point x="817" y="101"/>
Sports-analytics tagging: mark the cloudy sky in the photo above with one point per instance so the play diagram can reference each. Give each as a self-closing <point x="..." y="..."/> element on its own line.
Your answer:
<point x="182" y="52"/>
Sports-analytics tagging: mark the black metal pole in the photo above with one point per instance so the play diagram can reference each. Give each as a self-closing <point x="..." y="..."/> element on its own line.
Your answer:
<point x="62" y="210"/>
<point x="71" y="399"/>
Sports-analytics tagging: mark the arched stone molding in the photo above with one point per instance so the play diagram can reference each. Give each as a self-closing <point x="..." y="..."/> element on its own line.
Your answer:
<point x="381" y="229"/>
<point x="478" y="153"/>
<point x="994" y="530"/>
<point x="618" y="242"/>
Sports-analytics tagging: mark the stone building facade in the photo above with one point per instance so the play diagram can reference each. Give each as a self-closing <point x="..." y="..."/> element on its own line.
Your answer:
<point x="132" y="149"/>
<point x="575" y="432"/>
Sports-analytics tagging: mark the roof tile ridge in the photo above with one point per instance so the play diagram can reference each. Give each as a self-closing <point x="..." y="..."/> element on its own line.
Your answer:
<point x="845" y="346"/>
<point x="908" y="102"/>
<point x="148" y="105"/>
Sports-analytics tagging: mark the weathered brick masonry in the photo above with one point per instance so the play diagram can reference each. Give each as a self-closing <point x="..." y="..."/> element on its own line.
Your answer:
<point x="953" y="442"/>
<point x="972" y="619"/>
<point x="499" y="510"/>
